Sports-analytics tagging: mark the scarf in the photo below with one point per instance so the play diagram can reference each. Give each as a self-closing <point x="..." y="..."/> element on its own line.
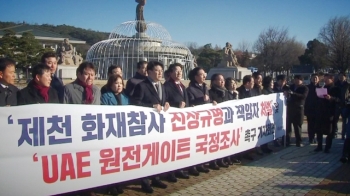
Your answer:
<point x="43" y="91"/>
<point x="269" y="90"/>
<point x="179" y="82"/>
<point x="89" y="96"/>
<point x="221" y="91"/>
<point x="118" y="97"/>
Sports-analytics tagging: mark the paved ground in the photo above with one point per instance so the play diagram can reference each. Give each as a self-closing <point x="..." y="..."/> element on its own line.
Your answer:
<point x="288" y="171"/>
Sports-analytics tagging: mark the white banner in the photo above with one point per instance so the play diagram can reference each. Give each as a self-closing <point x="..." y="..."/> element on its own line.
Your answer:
<point x="50" y="149"/>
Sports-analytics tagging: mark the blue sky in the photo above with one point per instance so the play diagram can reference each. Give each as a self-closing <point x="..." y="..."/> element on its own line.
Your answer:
<point x="200" y="21"/>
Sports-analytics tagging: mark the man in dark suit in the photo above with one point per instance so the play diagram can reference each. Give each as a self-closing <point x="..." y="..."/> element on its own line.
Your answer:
<point x="325" y="111"/>
<point x="258" y="88"/>
<point x="279" y="84"/>
<point x="176" y="91"/>
<point x="247" y="89"/>
<point x="140" y="75"/>
<point x="178" y="98"/>
<point x="296" y="96"/>
<point x="38" y="89"/>
<point x="151" y="93"/>
<point x="278" y="88"/>
<point x="342" y="109"/>
<point x="258" y="82"/>
<point x="8" y="90"/>
<point x="310" y="107"/>
<point x="50" y="59"/>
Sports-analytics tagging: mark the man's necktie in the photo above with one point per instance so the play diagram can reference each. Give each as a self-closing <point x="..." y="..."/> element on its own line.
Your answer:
<point x="8" y="93"/>
<point x="179" y="87"/>
<point x="157" y="87"/>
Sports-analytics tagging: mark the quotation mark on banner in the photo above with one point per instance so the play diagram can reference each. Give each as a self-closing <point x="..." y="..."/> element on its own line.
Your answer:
<point x="35" y="158"/>
<point x="9" y="120"/>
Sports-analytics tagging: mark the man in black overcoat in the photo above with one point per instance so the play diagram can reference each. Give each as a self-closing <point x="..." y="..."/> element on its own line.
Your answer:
<point x="325" y="111"/>
<point x="296" y="95"/>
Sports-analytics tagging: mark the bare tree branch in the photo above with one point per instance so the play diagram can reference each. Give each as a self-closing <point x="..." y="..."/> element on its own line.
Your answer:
<point x="244" y="46"/>
<point x="336" y="36"/>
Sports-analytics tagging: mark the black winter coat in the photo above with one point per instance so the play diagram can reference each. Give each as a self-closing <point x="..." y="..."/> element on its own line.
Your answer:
<point x="232" y="96"/>
<point x="131" y="84"/>
<point x="344" y="88"/>
<point x="325" y="110"/>
<point x="243" y="93"/>
<point x="8" y="96"/>
<point x="266" y="91"/>
<point x="197" y="93"/>
<point x="30" y="95"/>
<point x="175" y="96"/>
<point x="146" y="95"/>
<point x="297" y="99"/>
<point x="311" y="100"/>
<point x="218" y="95"/>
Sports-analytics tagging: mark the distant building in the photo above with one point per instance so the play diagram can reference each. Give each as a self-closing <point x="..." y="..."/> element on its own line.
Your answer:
<point x="252" y="69"/>
<point x="46" y="38"/>
<point x="304" y="70"/>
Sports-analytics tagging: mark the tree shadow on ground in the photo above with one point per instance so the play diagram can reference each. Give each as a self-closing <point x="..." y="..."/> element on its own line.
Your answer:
<point x="338" y="182"/>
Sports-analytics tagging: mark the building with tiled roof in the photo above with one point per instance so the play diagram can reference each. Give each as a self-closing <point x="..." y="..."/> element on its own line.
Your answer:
<point x="47" y="38"/>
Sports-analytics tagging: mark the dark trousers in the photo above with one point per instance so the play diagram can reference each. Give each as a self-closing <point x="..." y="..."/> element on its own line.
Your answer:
<point x="295" y="117"/>
<point x="311" y="123"/>
<point x="329" y="140"/>
<point x="345" y="118"/>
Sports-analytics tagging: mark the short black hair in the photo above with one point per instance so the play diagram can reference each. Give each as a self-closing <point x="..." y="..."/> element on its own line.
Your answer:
<point x="266" y="81"/>
<point x="173" y="66"/>
<point x="85" y="65"/>
<point x="228" y="81"/>
<point x="47" y="55"/>
<point x="192" y="74"/>
<point x="256" y="75"/>
<point x="112" y="67"/>
<point x="330" y="76"/>
<point x="5" y="62"/>
<point x="140" y="63"/>
<point x="314" y="74"/>
<point x="246" y="79"/>
<point x="281" y="77"/>
<point x="152" y="64"/>
<point x="213" y="78"/>
<point x="298" y="77"/>
<point x="40" y="69"/>
<point x="167" y="73"/>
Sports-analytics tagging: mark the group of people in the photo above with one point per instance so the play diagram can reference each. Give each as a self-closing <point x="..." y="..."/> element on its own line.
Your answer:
<point x="146" y="89"/>
<point x="323" y="112"/>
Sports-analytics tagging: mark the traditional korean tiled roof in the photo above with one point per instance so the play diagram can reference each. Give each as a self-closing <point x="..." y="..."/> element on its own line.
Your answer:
<point x="37" y="32"/>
